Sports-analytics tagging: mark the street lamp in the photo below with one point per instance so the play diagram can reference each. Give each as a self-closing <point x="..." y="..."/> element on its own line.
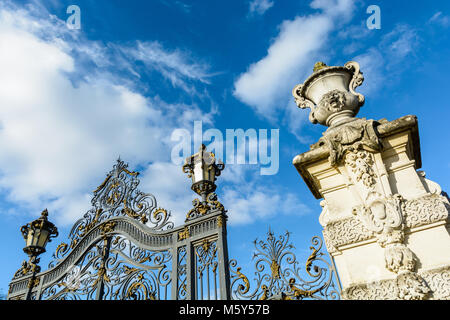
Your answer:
<point x="37" y="234"/>
<point x="203" y="170"/>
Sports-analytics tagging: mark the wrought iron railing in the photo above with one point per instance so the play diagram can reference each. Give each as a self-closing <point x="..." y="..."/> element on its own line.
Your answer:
<point x="278" y="275"/>
<point x="126" y="248"/>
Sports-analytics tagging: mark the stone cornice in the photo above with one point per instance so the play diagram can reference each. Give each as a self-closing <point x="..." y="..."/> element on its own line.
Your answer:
<point x="383" y="129"/>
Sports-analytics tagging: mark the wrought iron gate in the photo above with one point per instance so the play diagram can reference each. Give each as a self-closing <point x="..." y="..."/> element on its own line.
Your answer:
<point x="125" y="247"/>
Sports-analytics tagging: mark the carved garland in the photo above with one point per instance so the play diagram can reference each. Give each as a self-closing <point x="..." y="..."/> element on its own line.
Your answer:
<point x="438" y="280"/>
<point x="422" y="211"/>
<point x="384" y="217"/>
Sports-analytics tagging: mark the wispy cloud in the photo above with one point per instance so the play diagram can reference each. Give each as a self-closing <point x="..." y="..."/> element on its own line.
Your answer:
<point x="400" y="42"/>
<point x="259" y="7"/>
<point x="261" y="203"/>
<point x="66" y="119"/>
<point x="172" y="192"/>
<point x="176" y="66"/>
<point x="266" y="85"/>
<point x="440" y="18"/>
<point x="388" y="57"/>
<point x="186" y="8"/>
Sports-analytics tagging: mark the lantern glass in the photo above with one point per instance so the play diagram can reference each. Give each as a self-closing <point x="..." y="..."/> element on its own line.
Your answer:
<point x="203" y="170"/>
<point x="30" y="238"/>
<point x="37" y="238"/>
<point x="198" y="172"/>
<point x="211" y="173"/>
<point x="42" y="239"/>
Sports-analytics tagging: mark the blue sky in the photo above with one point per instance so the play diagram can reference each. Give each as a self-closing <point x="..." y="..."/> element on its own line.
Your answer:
<point x="72" y="101"/>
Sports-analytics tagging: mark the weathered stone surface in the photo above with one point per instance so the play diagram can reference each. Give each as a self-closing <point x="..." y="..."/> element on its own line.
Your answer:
<point x="383" y="220"/>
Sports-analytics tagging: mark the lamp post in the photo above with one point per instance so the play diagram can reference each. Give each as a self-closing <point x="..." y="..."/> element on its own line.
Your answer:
<point x="203" y="170"/>
<point x="37" y="234"/>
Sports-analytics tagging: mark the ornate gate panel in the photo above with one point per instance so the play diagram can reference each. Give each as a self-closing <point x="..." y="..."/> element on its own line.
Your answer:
<point x="125" y="247"/>
<point x="279" y="276"/>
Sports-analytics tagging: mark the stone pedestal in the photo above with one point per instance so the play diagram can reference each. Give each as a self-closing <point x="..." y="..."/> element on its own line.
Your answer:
<point x="384" y="223"/>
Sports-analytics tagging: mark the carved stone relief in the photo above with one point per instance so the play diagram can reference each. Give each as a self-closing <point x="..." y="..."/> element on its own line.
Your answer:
<point x="354" y="147"/>
<point x="417" y="212"/>
<point x="430" y="284"/>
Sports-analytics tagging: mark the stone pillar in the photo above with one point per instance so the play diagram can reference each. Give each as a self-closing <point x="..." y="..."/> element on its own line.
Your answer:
<point x="384" y="223"/>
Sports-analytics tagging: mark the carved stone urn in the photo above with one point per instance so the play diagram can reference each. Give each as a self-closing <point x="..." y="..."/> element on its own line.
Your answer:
<point x="330" y="93"/>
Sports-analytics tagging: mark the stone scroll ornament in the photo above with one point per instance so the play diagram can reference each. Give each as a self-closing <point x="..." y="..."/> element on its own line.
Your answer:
<point x="352" y="143"/>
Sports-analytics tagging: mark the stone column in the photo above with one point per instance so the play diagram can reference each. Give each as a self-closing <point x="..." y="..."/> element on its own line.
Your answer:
<point x="384" y="223"/>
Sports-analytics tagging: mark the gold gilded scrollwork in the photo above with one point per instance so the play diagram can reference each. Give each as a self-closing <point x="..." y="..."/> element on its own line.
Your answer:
<point x="107" y="227"/>
<point x="275" y="262"/>
<point x="206" y="245"/>
<point x="133" y="214"/>
<point x="310" y="260"/>
<point x="61" y="248"/>
<point x="299" y="293"/>
<point x="84" y="229"/>
<point x="131" y="173"/>
<point x="319" y="66"/>
<point x="134" y="288"/>
<point x="160" y="214"/>
<point x="265" y="292"/>
<point x="129" y="270"/>
<point x="244" y="288"/>
<point x="275" y="268"/>
<point x="114" y="197"/>
<point x="220" y="221"/>
<point x="182" y="235"/>
<point x="199" y="209"/>
<point x="34" y="282"/>
<point x="215" y="204"/>
<point x="101" y="275"/>
<point x="28" y="267"/>
<point x="203" y="208"/>
<point x="103" y="184"/>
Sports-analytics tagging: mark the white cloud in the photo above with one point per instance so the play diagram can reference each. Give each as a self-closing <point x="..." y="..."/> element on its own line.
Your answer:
<point x="260" y="203"/>
<point x="58" y="139"/>
<point x="441" y="19"/>
<point x="63" y="124"/>
<point x="171" y="187"/>
<point x="266" y="85"/>
<point x="342" y="9"/>
<point x="266" y="81"/>
<point x="260" y="6"/>
<point x="176" y="66"/>
<point x="385" y="61"/>
<point x="400" y="42"/>
<point x="251" y="202"/>
<point x="372" y="64"/>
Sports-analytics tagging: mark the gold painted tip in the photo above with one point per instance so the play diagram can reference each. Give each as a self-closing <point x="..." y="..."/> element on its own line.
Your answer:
<point x="319" y="65"/>
<point x="44" y="213"/>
